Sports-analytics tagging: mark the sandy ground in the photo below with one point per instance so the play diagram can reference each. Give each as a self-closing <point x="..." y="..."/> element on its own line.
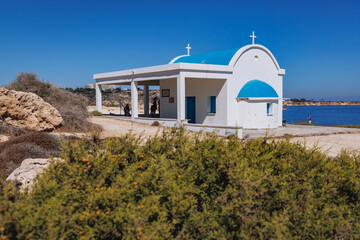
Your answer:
<point x="114" y="110"/>
<point x="332" y="143"/>
<point x="117" y="128"/>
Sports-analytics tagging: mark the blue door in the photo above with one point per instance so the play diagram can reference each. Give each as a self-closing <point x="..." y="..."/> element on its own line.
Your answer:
<point x="190" y="109"/>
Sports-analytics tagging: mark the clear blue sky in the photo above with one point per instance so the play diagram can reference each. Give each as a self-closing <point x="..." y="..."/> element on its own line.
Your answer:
<point x="65" y="42"/>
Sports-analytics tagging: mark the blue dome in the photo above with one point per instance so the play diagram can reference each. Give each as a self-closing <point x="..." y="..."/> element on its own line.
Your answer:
<point x="218" y="58"/>
<point x="257" y="89"/>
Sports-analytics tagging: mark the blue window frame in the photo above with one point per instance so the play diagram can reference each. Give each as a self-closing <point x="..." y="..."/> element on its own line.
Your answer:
<point x="213" y="104"/>
<point x="268" y="108"/>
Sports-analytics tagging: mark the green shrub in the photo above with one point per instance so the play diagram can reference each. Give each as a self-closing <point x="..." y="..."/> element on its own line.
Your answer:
<point x="199" y="187"/>
<point x="112" y="105"/>
<point x="96" y="113"/>
<point x="303" y="123"/>
<point x="350" y="126"/>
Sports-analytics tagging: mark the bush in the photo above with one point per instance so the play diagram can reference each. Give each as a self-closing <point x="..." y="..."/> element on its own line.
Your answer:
<point x="89" y="93"/>
<point x="350" y="126"/>
<point x="10" y="130"/>
<point x="29" y="145"/>
<point x="96" y="113"/>
<point x="303" y="123"/>
<point x="174" y="186"/>
<point x="155" y="123"/>
<point x="72" y="107"/>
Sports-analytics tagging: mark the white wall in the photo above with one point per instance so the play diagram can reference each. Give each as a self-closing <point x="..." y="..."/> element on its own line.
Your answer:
<point x="202" y="89"/>
<point x="256" y="114"/>
<point x="249" y="67"/>
<point x="168" y="110"/>
<point x="254" y="63"/>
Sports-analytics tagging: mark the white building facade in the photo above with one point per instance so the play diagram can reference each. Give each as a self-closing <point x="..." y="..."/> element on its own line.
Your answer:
<point x="227" y="90"/>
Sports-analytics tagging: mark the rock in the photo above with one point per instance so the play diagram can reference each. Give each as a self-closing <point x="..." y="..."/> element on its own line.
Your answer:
<point x="3" y="138"/>
<point x="70" y="135"/>
<point x="24" y="175"/>
<point x="27" y="110"/>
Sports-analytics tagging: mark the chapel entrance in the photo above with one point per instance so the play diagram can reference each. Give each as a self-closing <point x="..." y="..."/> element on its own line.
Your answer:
<point x="191" y="109"/>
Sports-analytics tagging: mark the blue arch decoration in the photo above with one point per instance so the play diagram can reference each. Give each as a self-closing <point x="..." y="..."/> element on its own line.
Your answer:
<point x="257" y="89"/>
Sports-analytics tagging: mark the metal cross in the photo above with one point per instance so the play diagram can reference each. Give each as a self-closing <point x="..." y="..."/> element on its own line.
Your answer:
<point x="188" y="49"/>
<point x="253" y="37"/>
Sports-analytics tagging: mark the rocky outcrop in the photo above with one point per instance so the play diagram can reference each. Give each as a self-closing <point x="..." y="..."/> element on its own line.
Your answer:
<point x="25" y="175"/>
<point x="27" y="110"/>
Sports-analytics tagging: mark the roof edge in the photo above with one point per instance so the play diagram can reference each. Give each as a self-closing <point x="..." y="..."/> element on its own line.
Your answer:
<point x="176" y="58"/>
<point x="246" y="48"/>
<point x="164" y="68"/>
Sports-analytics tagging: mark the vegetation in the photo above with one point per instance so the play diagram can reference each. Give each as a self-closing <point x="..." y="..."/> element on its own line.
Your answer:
<point x="72" y="107"/>
<point x="178" y="187"/>
<point x="96" y="113"/>
<point x="112" y="97"/>
<point x="27" y="145"/>
<point x="11" y="130"/>
<point x="301" y="100"/>
<point x="24" y="144"/>
<point x="303" y="123"/>
<point x="89" y="93"/>
<point x="350" y="126"/>
<point x="155" y="123"/>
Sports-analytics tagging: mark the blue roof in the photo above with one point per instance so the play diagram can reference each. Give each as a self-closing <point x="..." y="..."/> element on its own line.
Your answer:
<point x="257" y="89"/>
<point x="218" y="58"/>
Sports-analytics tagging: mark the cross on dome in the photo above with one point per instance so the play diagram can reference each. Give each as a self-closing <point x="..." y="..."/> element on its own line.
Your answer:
<point x="253" y="37"/>
<point x="188" y="49"/>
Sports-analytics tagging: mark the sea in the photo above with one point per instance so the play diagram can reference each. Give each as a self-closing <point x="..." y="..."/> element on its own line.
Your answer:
<point x="323" y="115"/>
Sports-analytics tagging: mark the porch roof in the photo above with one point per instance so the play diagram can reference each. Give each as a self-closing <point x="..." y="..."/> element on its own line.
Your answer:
<point x="160" y="69"/>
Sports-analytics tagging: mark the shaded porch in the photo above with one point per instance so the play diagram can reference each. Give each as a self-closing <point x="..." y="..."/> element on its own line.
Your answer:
<point x="141" y="93"/>
<point x="177" y="82"/>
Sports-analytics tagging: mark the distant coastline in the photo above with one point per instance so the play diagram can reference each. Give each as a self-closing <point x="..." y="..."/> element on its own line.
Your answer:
<point x="320" y="103"/>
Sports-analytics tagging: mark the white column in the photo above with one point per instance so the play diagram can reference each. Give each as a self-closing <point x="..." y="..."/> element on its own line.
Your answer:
<point x="280" y="103"/>
<point x="98" y="97"/>
<point x="180" y="98"/>
<point x="134" y="99"/>
<point x="146" y="100"/>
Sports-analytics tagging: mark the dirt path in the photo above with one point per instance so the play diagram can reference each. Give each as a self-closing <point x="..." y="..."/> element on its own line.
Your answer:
<point x="117" y="128"/>
<point x="332" y="144"/>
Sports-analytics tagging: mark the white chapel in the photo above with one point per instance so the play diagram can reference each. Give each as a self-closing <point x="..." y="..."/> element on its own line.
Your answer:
<point x="229" y="90"/>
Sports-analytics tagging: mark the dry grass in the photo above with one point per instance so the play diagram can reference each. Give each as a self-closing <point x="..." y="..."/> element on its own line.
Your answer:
<point x="72" y="107"/>
<point x="29" y="145"/>
<point x="10" y="130"/>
